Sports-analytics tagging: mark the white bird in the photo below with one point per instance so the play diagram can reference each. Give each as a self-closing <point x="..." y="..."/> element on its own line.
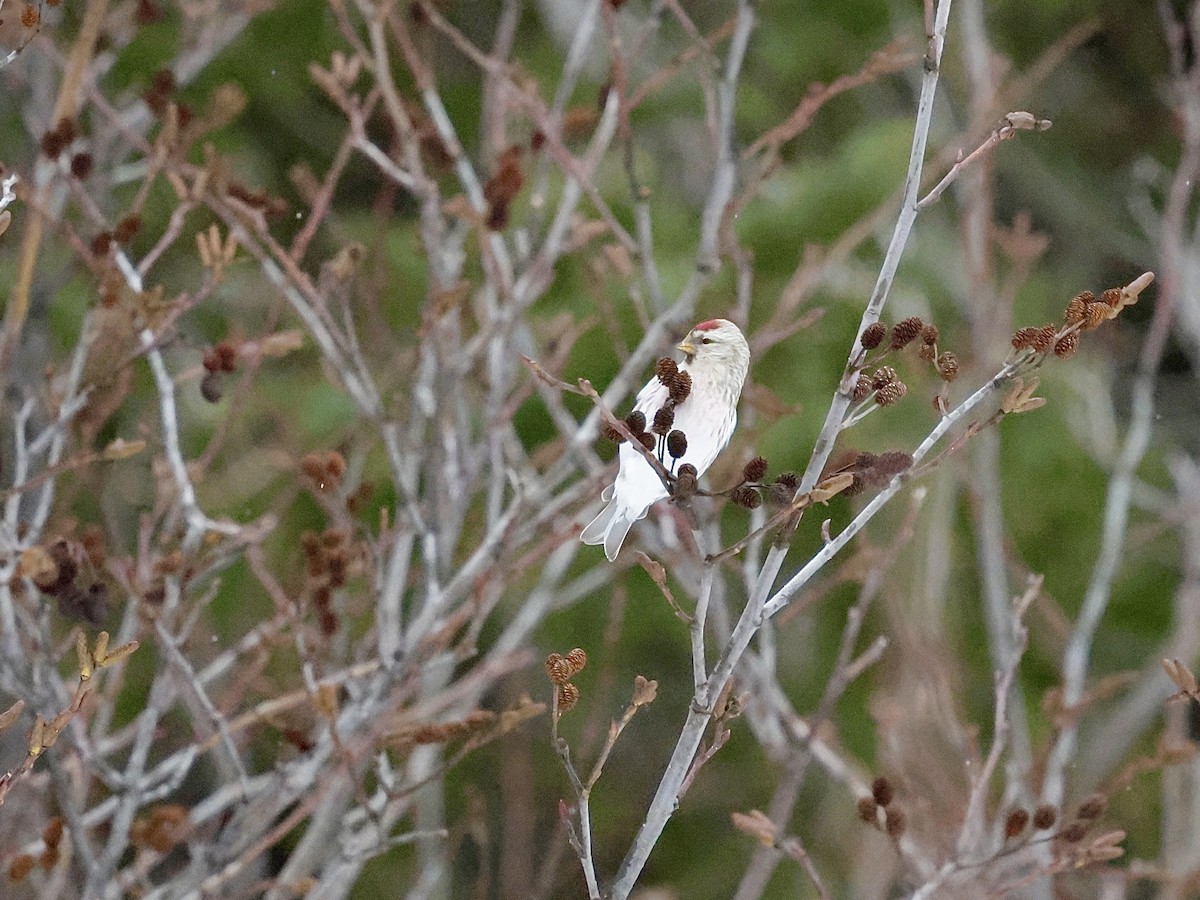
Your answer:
<point x="716" y="357"/>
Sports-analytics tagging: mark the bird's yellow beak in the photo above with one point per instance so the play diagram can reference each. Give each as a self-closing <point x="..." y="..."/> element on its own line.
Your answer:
<point x="686" y="347"/>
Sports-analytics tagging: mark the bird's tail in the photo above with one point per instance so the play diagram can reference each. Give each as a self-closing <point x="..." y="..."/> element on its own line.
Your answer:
<point x="610" y="527"/>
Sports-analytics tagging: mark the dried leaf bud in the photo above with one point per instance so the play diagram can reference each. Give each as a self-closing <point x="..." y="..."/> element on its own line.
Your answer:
<point x="891" y="393"/>
<point x="610" y="433"/>
<point x="20" y="867"/>
<point x="1075" y="832"/>
<point x="1024" y="338"/>
<point x="895" y="822"/>
<point x="1077" y="308"/>
<point x="906" y="331"/>
<point x="745" y="496"/>
<point x="873" y="335"/>
<point x="1044" y="817"/>
<point x="335" y="465"/>
<point x="227" y="355"/>
<point x="647" y="440"/>
<point x="507" y="180"/>
<point x="685" y="482"/>
<point x="1045" y="337"/>
<point x="577" y="659"/>
<point x="1096" y="315"/>
<point x="1093" y="807"/>
<point x="790" y="480"/>
<point x="862" y="388"/>
<point x="102" y="243"/>
<point x="645" y="691"/>
<point x="893" y="463"/>
<point x="636" y="422"/>
<point x="1067" y="345"/>
<point x="147" y="13"/>
<point x="666" y="370"/>
<point x="680" y="387"/>
<point x="53" y="832"/>
<point x="884" y="375"/>
<point x="313" y="465"/>
<point x="676" y="444"/>
<point x="663" y="420"/>
<point x="82" y="165"/>
<point x="947" y="366"/>
<point x="127" y="228"/>
<point x="1015" y="823"/>
<point x="210" y="387"/>
<point x="930" y="334"/>
<point x="866" y="809"/>
<point x="882" y="790"/>
<point x="568" y="696"/>
<point x="755" y="469"/>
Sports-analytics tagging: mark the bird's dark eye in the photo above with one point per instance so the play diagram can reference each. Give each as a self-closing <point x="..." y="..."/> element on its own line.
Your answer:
<point x="706" y="340"/>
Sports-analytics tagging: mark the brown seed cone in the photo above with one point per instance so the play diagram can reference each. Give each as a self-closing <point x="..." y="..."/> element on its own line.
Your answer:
<point x="893" y="462"/>
<point x="789" y="480"/>
<point x="891" y="393"/>
<point x="927" y="352"/>
<point x="882" y="790"/>
<point x="210" y="387"/>
<point x="1076" y="309"/>
<point x="636" y="422"/>
<point x="883" y="376"/>
<point x="666" y="370"/>
<point x="1044" y="817"/>
<point x="1111" y="297"/>
<point x="947" y="366"/>
<point x="930" y="334"/>
<point x="1093" y="807"/>
<point x="1096" y="315"/>
<point x="610" y="433"/>
<point x="866" y="809"/>
<point x="1044" y="339"/>
<point x="663" y="420"/>
<point x="648" y="440"/>
<point x="676" y="444"/>
<point x="568" y="696"/>
<point x="1024" y="337"/>
<point x="755" y="469"/>
<point x="680" y="387"/>
<point x="685" y="482"/>
<point x="906" y="331"/>
<point x="558" y="669"/>
<point x="862" y="388"/>
<point x="896" y="821"/>
<point x="745" y="496"/>
<point x="577" y="659"/>
<point x="1074" y="833"/>
<point x="1015" y="823"/>
<point x="873" y="335"/>
<point x="1067" y="345"/>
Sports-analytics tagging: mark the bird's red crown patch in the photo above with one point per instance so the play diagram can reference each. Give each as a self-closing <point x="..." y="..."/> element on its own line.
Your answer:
<point x="710" y="325"/>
